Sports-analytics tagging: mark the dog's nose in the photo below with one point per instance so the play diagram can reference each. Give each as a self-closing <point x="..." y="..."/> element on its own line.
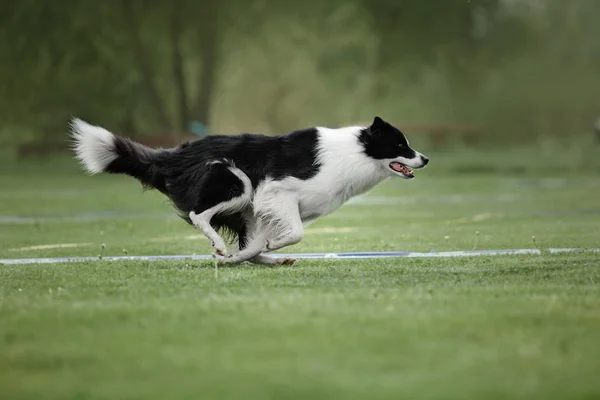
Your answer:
<point x="425" y="160"/>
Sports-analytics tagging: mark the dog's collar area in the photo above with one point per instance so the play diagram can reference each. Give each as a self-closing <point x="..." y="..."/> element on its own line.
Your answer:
<point x="403" y="169"/>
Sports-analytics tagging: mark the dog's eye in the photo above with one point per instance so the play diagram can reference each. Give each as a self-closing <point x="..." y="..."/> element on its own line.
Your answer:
<point x="401" y="146"/>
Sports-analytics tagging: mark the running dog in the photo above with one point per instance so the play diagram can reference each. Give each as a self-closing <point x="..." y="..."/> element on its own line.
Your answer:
<point x="260" y="190"/>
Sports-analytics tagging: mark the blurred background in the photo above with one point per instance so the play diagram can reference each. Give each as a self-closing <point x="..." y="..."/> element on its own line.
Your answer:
<point x="450" y="73"/>
<point x="502" y="95"/>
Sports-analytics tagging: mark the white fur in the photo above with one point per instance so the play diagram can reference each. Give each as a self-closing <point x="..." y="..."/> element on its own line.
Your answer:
<point x="283" y="223"/>
<point x="410" y="162"/>
<point x="93" y="145"/>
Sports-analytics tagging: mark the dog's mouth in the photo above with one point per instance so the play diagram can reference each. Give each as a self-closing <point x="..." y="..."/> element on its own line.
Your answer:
<point x="402" y="169"/>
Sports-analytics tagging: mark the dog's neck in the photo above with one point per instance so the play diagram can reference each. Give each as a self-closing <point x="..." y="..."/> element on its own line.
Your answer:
<point x="348" y="169"/>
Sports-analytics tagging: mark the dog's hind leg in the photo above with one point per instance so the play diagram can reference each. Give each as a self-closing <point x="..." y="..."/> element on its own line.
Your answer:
<point x="202" y="222"/>
<point x="233" y="189"/>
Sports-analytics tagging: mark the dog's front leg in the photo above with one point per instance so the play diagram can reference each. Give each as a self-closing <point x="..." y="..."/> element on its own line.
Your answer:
<point x="253" y="225"/>
<point x="253" y="248"/>
<point x="276" y="223"/>
<point x="285" y="225"/>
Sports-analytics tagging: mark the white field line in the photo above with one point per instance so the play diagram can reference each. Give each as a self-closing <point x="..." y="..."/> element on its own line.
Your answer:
<point x="330" y="256"/>
<point x="51" y="246"/>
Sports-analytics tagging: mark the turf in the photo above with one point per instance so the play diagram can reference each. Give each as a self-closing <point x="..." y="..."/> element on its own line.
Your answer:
<point x="485" y="327"/>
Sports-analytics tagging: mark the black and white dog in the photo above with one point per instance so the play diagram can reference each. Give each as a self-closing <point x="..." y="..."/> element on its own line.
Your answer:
<point x="261" y="189"/>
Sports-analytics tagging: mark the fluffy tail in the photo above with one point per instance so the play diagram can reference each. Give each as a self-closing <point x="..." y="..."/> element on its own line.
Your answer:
<point x="99" y="151"/>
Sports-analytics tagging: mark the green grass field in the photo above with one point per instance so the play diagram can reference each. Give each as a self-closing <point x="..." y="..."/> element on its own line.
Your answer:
<point x="481" y="327"/>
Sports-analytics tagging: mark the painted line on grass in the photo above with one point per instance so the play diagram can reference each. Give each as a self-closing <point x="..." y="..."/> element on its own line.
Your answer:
<point x="318" y="256"/>
<point x="91" y="216"/>
<point x="52" y="246"/>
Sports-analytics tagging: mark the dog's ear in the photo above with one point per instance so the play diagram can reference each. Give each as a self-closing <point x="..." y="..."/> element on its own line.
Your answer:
<point x="376" y="126"/>
<point x="377" y="122"/>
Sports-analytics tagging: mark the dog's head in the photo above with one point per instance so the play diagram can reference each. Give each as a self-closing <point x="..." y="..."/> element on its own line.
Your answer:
<point x="386" y="144"/>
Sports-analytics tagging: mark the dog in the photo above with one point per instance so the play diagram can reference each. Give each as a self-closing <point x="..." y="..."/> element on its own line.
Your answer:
<point x="257" y="190"/>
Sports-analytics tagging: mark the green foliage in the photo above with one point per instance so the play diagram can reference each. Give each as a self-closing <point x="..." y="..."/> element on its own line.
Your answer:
<point x="421" y="32"/>
<point x="514" y="68"/>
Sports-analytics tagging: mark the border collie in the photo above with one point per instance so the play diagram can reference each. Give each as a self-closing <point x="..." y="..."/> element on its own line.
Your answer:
<point x="261" y="190"/>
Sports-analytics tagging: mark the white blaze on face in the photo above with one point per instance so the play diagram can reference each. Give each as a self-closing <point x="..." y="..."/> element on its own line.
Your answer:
<point x="415" y="162"/>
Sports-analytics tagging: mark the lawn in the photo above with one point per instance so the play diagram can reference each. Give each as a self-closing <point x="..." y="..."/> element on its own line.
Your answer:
<point x="477" y="327"/>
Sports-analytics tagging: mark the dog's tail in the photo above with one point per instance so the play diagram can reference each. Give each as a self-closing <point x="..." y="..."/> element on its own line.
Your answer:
<point x="100" y="151"/>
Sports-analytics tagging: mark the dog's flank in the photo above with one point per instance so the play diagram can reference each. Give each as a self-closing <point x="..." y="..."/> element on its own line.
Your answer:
<point x="261" y="190"/>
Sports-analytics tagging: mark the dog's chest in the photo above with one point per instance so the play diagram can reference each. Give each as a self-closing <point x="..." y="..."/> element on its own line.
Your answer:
<point x="319" y="197"/>
<point x="318" y="203"/>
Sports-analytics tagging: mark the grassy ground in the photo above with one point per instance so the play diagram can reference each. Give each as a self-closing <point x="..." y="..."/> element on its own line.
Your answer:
<point x="499" y="327"/>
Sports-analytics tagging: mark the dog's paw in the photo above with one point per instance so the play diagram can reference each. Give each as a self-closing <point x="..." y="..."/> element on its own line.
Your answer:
<point x="285" y="261"/>
<point x="220" y="248"/>
<point x="231" y="260"/>
<point x="221" y="252"/>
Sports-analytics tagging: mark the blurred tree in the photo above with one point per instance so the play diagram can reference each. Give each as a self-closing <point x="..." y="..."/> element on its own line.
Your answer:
<point x="209" y="39"/>
<point x="155" y="66"/>
<point x="95" y="59"/>
<point x="133" y="11"/>
<point x="178" y="65"/>
<point x="56" y="63"/>
<point x="418" y="31"/>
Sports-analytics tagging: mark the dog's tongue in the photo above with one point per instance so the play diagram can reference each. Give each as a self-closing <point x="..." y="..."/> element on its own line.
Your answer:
<point x="401" y="168"/>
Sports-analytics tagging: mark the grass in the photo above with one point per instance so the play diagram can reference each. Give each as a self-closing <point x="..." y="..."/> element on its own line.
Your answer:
<point x="488" y="327"/>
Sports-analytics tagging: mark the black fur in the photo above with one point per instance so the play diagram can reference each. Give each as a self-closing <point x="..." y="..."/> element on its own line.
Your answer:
<point x="139" y="161"/>
<point x="383" y="140"/>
